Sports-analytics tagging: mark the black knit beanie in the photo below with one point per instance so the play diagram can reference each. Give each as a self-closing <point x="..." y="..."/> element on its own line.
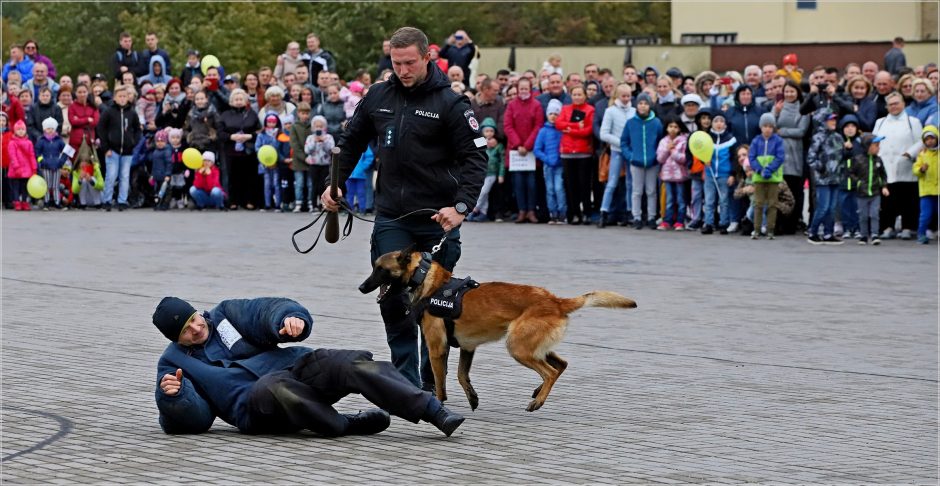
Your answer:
<point x="171" y="316"/>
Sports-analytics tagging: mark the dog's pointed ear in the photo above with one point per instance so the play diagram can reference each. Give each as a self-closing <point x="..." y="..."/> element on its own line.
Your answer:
<point x="405" y="255"/>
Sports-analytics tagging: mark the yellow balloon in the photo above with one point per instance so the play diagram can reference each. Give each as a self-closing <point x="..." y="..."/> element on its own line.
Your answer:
<point x="192" y="158"/>
<point x="209" y="61"/>
<point x="702" y="146"/>
<point x="36" y="186"/>
<point x="267" y="155"/>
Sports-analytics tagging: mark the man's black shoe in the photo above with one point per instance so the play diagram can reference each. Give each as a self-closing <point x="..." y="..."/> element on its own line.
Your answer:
<point x="122" y="207"/>
<point x="638" y="224"/>
<point x="368" y="422"/>
<point x="651" y="223"/>
<point x="107" y="207"/>
<point x="446" y="421"/>
<point x="602" y="221"/>
<point x="708" y="229"/>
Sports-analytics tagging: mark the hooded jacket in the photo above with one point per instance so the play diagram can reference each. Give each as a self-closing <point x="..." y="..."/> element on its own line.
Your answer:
<point x="430" y="151"/>
<point x="147" y="57"/>
<point x="825" y="156"/>
<point x="162" y="78"/>
<point x="22" y="158"/>
<point x="767" y="153"/>
<point x="548" y="145"/>
<point x="119" y="129"/>
<point x="744" y="119"/>
<point x="521" y="123"/>
<point x="848" y="154"/>
<point x="639" y="139"/>
<point x="868" y="174"/>
<point x="792" y="126"/>
<point x="928" y="182"/>
<point x="723" y="162"/>
<point x="923" y="110"/>
<point x="218" y="375"/>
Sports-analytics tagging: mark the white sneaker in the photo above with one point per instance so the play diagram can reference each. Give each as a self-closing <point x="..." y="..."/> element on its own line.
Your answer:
<point x="296" y="209"/>
<point x="931" y="235"/>
<point x="906" y="235"/>
<point x="733" y="227"/>
<point x="837" y="230"/>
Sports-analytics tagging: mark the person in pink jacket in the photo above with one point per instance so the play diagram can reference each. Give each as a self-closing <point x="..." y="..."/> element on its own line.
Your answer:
<point x="521" y="124"/>
<point x="206" y="189"/>
<point x="673" y="172"/>
<point x="22" y="165"/>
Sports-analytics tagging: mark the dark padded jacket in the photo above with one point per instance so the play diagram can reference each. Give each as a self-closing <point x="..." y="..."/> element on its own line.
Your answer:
<point x="429" y="148"/>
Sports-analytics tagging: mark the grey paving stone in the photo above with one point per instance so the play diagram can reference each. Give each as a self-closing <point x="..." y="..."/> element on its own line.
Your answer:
<point x="746" y="362"/>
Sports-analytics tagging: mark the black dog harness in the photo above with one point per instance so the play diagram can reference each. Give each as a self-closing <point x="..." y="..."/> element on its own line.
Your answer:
<point x="446" y="302"/>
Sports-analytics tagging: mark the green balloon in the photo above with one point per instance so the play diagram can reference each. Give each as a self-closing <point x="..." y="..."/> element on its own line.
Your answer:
<point x="36" y="187"/>
<point x="267" y="156"/>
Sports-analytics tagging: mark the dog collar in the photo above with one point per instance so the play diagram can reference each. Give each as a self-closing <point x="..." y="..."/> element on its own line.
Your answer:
<point x="417" y="278"/>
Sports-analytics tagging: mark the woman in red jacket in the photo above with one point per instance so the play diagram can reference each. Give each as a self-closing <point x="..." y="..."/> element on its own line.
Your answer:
<point x="84" y="118"/>
<point x="521" y="123"/>
<point x="576" y="123"/>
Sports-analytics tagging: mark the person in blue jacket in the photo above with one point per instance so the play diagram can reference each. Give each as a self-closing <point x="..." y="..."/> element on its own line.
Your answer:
<point x="226" y="363"/>
<point x="638" y="144"/>
<point x="766" y="159"/>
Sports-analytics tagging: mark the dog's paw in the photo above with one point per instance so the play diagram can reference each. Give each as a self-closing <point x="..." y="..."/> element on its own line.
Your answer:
<point x="474" y="401"/>
<point x="537" y="390"/>
<point x="534" y="405"/>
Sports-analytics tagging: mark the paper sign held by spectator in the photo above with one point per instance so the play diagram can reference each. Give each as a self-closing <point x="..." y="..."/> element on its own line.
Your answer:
<point x="68" y="151"/>
<point x="519" y="162"/>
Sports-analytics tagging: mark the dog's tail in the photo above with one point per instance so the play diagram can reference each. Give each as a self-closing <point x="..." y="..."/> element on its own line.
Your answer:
<point x="598" y="298"/>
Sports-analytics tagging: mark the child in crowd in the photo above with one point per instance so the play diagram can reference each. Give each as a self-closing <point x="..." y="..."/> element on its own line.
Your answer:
<point x="87" y="182"/>
<point x="317" y="148"/>
<point x="766" y="157"/>
<point x="871" y="179"/>
<point x="848" y="212"/>
<point x="355" y="94"/>
<point x="180" y="176"/>
<point x="285" y="173"/>
<point x="718" y="174"/>
<point x="207" y="190"/>
<point x="925" y="168"/>
<point x="356" y="183"/>
<point x="673" y="172"/>
<point x="547" y="149"/>
<point x="638" y="147"/>
<point x="272" y="183"/>
<point x="161" y="159"/>
<point x="303" y="183"/>
<point x="22" y="165"/>
<point x="703" y="123"/>
<point x="5" y="135"/>
<point x="51" y="160"/>
<point x="495" y="169"/>
<point x="147" y="109"/>
<point x="553" y="64"/>
<point x="825" y="159"/>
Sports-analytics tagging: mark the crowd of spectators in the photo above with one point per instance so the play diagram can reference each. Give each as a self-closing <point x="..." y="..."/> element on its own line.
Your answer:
<point x="595" y="146"/>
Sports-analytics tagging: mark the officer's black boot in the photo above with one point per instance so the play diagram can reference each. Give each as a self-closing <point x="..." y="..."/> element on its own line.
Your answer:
<point x="368" y="422"/>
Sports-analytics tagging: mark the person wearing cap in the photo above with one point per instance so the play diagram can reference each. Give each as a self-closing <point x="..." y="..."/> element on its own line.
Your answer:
<point x="928" y="183"/>
<point x="432" y="151"/>
<point x="766" y="158"/>
<point x="440" y="62"/>
<point x="548" y="150"/>
<point x="51" y="160"/>
<point x="22" y="165"/>
<point x="691" y="104"/>
<point x="206" y="190"/>
<point x="161" y="160"/>
<point x="791" y="68"/>
<point x="227" y="363"/>
<point x="825" y="160"/>
<point x="192" y="68"/>
<point x="868" y="173"/>
<point x="675" y="75"/>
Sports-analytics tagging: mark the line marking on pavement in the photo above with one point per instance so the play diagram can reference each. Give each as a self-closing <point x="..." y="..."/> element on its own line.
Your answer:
<point x="65" y="426"/>
<point x="809" y="368"/>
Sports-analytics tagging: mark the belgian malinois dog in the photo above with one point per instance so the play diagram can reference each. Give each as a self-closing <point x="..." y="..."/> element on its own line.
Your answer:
<point x="532" y="319"/>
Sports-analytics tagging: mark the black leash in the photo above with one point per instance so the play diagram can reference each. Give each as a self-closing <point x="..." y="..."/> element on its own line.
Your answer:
<point x="347" y="227"/>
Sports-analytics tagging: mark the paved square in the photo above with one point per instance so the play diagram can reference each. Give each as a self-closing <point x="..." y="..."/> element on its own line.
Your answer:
<point x="745" y="361"/>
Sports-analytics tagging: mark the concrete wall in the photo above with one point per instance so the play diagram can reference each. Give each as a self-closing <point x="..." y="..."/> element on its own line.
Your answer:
<point x="781" y="22"/>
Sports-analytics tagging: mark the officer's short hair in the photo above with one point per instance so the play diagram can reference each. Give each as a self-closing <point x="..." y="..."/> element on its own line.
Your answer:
<point x="410" y="36"/>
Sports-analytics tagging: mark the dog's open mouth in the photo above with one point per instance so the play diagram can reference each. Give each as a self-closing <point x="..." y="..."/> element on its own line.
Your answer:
<point x="383" y="291"/>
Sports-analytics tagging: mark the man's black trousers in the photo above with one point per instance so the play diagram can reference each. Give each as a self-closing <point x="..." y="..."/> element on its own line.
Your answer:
<point x="303" y="396"/>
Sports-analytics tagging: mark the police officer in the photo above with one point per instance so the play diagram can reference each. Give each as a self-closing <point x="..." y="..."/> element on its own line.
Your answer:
<point x="430" y="154"/>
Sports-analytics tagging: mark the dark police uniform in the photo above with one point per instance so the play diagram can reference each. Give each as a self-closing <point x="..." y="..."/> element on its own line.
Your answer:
<point x="430" y="154"/>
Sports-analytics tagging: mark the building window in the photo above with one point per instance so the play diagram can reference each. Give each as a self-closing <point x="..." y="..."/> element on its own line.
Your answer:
<point x="806" y="4"/>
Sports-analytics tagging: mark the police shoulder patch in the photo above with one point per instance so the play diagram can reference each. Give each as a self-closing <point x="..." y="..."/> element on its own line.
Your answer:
<point x="471" y="120"/>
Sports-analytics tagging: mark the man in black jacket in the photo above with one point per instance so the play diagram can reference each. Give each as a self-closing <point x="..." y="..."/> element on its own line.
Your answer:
<point x="431" y="158"/>
<point x="125" y="58"/>
<point x="119" y="131"/>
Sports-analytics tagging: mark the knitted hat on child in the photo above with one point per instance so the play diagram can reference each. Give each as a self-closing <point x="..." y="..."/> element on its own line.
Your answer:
<point x="554" y="106"/>
<point x="210" y="156"/>
<point x="768" y="119"/>
<point x="50" y="124"/>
